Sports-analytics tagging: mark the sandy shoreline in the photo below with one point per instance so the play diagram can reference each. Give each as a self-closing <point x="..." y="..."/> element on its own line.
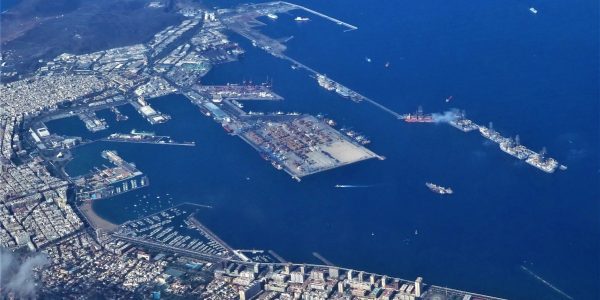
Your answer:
<point x="94" y="219"/>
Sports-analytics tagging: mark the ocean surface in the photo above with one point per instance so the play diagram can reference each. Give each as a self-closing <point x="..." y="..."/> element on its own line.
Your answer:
<point x="535" y="75"/>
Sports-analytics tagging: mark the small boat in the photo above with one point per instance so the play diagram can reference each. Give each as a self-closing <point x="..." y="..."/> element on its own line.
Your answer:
<point x="533" y="10"/>
<point x="387" y="64"/>
<point x="301" y="19"/>
<point x="449" y="98"/>
<point x="439" y="189"/>
<point x="368" y="59"/>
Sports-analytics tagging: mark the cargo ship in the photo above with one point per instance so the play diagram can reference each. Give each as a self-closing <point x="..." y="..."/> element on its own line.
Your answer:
<point x="418" y="117"/>
<point x="439" y="189"/>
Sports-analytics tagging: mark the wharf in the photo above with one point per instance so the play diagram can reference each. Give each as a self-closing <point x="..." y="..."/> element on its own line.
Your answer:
<point x="109" y="181"/>
<point x="92" y="122"/>
<point x="145" y="139"/>
<point x="150" y="114"/>
<point x="243" y="22"/>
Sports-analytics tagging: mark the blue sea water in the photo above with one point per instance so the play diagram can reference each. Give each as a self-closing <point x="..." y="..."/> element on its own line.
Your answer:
<point x="533" y="75"/>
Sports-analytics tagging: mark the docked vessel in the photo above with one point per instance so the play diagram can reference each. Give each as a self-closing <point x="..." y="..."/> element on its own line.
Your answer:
<point x="142" y="133"/>
<point x="272" y="16"/>
<point x="539" y="161"/>
<point x="514" y="148"/>
<point x="144" y="138"/>
<point x="464" y="125"/>
<point x="418" y="117"/>
<point x="439" y="189"/>
<point x="491" y="134"/>
<point x="325" y="82"/>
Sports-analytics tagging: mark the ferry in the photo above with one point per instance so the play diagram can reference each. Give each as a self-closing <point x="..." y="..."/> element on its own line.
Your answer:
<point x="439" y="189"/>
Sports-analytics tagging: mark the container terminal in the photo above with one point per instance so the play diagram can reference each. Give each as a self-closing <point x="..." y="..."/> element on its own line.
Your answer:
<point x="299" y="144"/>
<point x="303" y="145"/>
<point x="109" y="181"/>
<point x="142" y="137"/>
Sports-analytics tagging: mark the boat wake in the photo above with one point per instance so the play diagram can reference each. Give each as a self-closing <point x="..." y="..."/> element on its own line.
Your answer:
<point x="548" y="284"/>
<point x="353" y="186"/>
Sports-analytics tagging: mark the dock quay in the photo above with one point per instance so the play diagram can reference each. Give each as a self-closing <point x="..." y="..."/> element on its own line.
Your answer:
<point x="303" y="145"/>
<point x="144" y="138"/>
<point x="109" y="181"/>
<point x="298" y="144"/>
<point x="332" y="19"/>
<point x="150" y="114"/>
<point x="243" y="22"/>
<point x="92" y="122"/>
<point x="237" y="92"/>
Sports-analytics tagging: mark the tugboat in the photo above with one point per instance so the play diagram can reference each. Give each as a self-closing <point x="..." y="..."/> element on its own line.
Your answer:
<point x="439" y="189"/>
